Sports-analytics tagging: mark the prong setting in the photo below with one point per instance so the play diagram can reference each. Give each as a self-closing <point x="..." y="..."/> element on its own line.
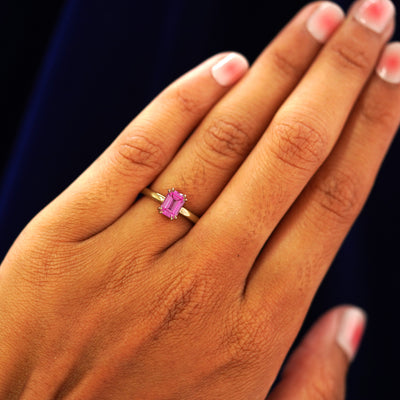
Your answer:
<point x="172" y="204"/>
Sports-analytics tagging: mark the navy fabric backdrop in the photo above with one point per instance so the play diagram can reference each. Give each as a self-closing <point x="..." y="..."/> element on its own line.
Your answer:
<point x="99" y="63"/>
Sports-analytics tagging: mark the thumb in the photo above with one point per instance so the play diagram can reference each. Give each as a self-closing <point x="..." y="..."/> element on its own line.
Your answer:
<point x="318" y="367"/>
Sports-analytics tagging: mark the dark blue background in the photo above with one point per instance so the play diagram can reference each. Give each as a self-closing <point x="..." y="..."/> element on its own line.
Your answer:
<point x="76" y="72"/>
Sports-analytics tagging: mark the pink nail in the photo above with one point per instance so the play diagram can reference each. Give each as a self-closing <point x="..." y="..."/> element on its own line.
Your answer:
<point x="351" y="330"/>
<point x="389" y="65"/>
<point x="324" y="21"/>
<point x="230" y="69"/>
<point x="375" y="14"/>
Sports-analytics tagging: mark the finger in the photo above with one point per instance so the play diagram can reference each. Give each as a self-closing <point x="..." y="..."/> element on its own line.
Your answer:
<point x="224" y="138"/>
<point x="298" y="140"/>
<point x="320" y="219"/>
<point x="318" y="367"/>
<point x="111" y="184"/>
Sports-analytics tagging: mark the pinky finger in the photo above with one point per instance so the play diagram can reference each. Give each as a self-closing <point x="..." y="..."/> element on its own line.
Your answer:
<point x="111" y="184"/>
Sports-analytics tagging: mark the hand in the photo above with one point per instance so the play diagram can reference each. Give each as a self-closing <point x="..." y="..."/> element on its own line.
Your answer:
<point x="101" y="297"/>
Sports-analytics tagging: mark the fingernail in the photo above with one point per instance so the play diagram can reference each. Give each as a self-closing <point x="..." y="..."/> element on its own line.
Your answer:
<point x="324" y="21"/>
<point x="351" y="330"/>
<point x="389" y="65"/>
<point x="375" y="14"/>
<point x="230" y="69"/>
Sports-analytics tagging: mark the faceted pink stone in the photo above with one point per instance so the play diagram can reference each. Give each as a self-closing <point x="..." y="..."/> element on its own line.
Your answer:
<point x="172" y="204"/>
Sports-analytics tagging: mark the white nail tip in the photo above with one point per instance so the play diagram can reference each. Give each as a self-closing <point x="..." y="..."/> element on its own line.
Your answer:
<point x="389" y="65"/>
<point x="230" y="69"/>
<point x="375" y="14"/>
<point x="350" y="330"/>
<point x="324" y="21"/>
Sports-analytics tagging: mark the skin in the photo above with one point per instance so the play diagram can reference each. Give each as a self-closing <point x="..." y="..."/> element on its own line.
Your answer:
<point x="101" y="297"/>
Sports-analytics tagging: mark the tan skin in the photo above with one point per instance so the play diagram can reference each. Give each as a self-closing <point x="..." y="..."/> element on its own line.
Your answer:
<point x="101" y="297"/>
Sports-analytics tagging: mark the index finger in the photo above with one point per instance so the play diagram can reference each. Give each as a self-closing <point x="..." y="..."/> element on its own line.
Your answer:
<point x="102" y="193"/>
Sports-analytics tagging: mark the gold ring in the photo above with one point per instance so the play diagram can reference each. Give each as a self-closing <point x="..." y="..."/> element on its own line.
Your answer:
<point x="172" y="204"/>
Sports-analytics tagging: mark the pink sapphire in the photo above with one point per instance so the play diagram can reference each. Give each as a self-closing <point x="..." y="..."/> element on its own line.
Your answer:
<point x="172" y="204"/>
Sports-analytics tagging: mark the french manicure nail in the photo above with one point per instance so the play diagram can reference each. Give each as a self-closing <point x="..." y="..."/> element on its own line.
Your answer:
<point x="350" y="331"/>
<point x="230" y="69"/>
<point x="389" y="65"/>
<point x="375" y="14"/>
<point x="324" y="21"/>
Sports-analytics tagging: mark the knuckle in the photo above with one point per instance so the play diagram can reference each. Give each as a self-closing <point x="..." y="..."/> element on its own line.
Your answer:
<point x="349" y="55"/>
<point x="121" y="269"/>
<point x="377" y="114"/>
<point x="226" y="137"/>
<point x="339" y="195"/>
<point x="137" y="152"/>
<point x="284" y="63"/>
<point x="185" y="101"/>
<point x="177" y="305"/>
<point x="299" y="143"/>
<point x="48" y="263"/>
<point x="244" y="339"/>
<point x="183" y="299"/>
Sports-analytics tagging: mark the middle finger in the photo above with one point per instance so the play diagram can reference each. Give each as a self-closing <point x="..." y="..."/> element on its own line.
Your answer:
<point x="222" y="141"/>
